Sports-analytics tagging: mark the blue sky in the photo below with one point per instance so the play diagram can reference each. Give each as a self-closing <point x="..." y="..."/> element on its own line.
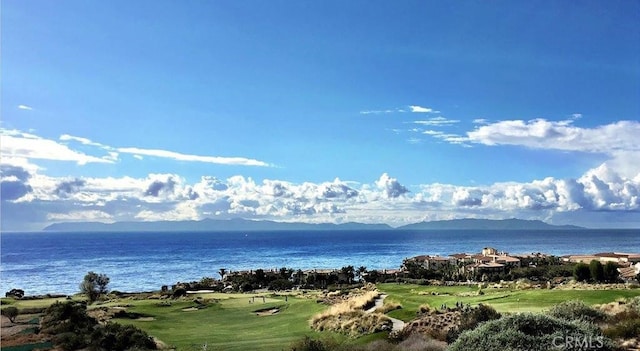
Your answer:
<point x="327" y="111"/>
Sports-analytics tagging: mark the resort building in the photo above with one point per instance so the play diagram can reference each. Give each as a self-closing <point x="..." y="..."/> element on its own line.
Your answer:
<point x="620" y="258"/>
<point x="435" y="262"/>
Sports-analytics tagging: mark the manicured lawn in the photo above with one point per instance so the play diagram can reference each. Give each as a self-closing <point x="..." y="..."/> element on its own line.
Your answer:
<point x="230" y="323"/>
<point x="503" y="300"/>
<point x="40" y="303"/>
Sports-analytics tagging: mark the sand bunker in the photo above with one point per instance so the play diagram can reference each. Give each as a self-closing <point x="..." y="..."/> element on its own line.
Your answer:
<point x="189" y="309"/>
<point x="268" y="312"/>
<point x="146" y="319"/>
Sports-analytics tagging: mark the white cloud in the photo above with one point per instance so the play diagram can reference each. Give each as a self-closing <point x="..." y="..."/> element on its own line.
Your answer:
<point x="20" y="145"/>
<point x="84" y="141"/>
<point x="420" y="109"/>
<point x="378" y="112"/>
<point x="437" y="121"/>
<point x="240" y="161"/>
<point x="560" y="135"/>
<point x="25" y="107"/>
<point x="412" y="109"/>
<point x="16" y="144"/>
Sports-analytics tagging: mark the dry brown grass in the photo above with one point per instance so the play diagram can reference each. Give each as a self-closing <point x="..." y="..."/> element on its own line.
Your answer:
<point x="349" y="317"/>
<point x="388" y="306"/>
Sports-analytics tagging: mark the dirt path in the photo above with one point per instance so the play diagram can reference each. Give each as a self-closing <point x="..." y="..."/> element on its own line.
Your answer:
<point x="398" y="325"/>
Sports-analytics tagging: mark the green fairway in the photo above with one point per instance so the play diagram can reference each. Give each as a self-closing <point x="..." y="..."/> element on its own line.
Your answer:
<point x="230" y="323"/>
<point x="503" y="300"/>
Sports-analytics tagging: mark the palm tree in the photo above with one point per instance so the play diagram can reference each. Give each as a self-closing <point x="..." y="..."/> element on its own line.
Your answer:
<point x="348" y="272"/>
<point x="361" y="271"/>
<point x="222" y="272"/>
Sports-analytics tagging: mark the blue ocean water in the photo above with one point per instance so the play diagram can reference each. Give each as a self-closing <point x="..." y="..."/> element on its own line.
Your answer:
<point x="55" y="262"/>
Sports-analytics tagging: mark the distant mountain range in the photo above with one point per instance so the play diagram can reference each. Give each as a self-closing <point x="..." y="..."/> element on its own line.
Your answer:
<point x="493" y="224"/>
<point x="250" y="225"/>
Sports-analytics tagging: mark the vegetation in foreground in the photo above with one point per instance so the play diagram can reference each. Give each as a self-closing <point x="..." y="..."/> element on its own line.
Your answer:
<point x="272" y="321"/>
<point x="349" y="316"/>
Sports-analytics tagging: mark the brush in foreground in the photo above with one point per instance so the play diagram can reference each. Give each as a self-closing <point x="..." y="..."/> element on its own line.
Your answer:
<point x="349" y="317"/>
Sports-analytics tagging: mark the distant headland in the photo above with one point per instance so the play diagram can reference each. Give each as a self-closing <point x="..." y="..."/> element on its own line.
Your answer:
<point x="251" y="225"/>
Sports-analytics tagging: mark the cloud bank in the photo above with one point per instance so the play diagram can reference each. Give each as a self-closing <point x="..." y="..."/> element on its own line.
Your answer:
<point x="37" y="199"/>
<point x="18" y="144"/>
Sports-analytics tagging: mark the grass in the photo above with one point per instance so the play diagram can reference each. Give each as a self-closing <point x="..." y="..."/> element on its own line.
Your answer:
<point x="39" y="303"/>
<point x="503" y="300"/>
<point x="230" y="324"/>
<point x="229" y="321"/>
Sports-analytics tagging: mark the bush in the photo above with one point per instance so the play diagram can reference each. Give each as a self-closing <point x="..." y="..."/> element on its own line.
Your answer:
<point x="577" y="310"/>
<point x="10" y="312"/>
<point x="280" y="284"/>
<point x="15" y="293"/>
<point x="597" y="271"/>
<point x="94" y="285"/>
<point x="308" y="344"/>
<point x="625" y="329"/>
<point x="179" y="292"/>
<point x="532" y="332"/>
<point x="581" y="272"/>
<point x="470" y="319"/>
<point x="73" y="329"/>
<point x="116" y="337"/>
<point x="417" y="342"/>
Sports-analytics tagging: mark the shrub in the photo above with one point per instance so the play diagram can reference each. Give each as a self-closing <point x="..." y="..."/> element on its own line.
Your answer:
<point x="576" y="309"/>
<point x="470" y="319"/>
<point x="116" y="337"/>
<point x="425" y="309"/>
<point x="581" y="272"/>
<point x="531" y="332"/>
<point x="597" y="271"/>
<point x="308" y="344"/>
<point x="388" y="306"/>
<point x="94" y="285"/>
<point x="417" y="342"/>
<point x="179" y="292"/>
<point x="10" y="312"/>
<point x="624" y="329"/>
<point x="73" y="329"/>
<point x="15" y="293"/>
<point x="280" y="284"/>
<point x="625" y="324"/>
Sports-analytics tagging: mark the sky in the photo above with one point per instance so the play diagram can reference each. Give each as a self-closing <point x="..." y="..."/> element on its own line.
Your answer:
<point x="320" y="111"/>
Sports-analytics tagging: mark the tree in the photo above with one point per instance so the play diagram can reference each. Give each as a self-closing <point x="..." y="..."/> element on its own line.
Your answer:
<point x="360" y="272"/>
<point x="597" y="271"/>
<point x="222" y="272"/>
<point x="10" y="312"/>
<point x="348" y="272"/>
<point x="581" y="272"/>
<point x="611" y="273"/>
<point x="94" y="285"/>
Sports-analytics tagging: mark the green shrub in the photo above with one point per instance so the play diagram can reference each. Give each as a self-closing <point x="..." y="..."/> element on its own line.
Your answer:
<point x="73" y="329"/>
<point x="417" y="342"/>
<point x="309" y="344"/>
<point x="116" y="337"/>
<point x="581" y="272"/>
<point x="624" y="329"/>
<point x="10" y="312"/>
<point x="576" y="309"/>
<point x="534" y="333"/>
<point x="470" y="319"/>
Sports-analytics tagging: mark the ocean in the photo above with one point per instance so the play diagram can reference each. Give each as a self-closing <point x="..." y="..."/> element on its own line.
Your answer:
<point x="56" y="262"/>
